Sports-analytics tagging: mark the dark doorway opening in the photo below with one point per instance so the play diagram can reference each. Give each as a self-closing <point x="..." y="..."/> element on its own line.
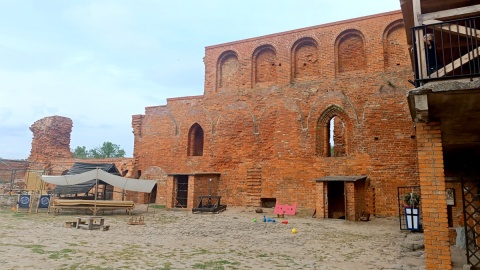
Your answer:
<point x="182" y="191"/>
<point x="153" y="195"/>
<point x="268" y="202"/>
<point x="336" y="199"/>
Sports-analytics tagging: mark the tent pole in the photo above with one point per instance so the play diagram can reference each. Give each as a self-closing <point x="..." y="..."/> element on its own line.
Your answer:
<point x="96" y="192"/>
<point x="154" y="206"/>
<point x="148" y="203"/>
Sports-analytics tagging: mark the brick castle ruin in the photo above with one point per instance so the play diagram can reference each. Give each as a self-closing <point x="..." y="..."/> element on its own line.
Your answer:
<point x="316" y="116"/>
<point x="301" y="116"/>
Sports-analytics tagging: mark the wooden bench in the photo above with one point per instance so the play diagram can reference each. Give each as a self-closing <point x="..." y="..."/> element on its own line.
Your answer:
<point x="90" y="205"/>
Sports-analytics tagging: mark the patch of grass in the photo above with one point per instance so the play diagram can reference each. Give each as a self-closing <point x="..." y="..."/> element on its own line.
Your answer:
<point x="202" y="251"/>
<point x="130" y="252"/>
<point x="37" y="249"/>
<point x="215" y="265"/>
<point x="157" y="206"/>
<point x="166" y="266"/>
<point x="20" y="215"/>
<point x="61" y="254"/>
<point x="96" y="267"/>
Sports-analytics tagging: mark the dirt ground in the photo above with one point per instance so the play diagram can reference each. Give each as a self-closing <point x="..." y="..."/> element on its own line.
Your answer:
<point x="228" y="240"/>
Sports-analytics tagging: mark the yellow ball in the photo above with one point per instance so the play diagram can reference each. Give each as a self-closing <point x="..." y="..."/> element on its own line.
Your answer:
<point x="294" y="230"/>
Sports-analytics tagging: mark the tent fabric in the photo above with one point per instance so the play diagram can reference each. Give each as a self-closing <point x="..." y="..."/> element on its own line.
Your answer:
<point x="81" y="167"/>
<point x="84" y="188"/>
<point x="116" y="181"/>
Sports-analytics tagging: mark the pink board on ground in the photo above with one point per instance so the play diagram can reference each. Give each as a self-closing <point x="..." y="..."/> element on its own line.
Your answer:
<point x="285" y="209"/>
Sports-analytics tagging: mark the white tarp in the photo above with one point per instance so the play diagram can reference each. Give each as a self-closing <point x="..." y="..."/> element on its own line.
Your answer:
<point x="116" y="181"/>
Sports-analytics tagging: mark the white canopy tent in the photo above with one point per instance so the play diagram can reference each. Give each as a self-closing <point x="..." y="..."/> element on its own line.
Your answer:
<point x="98" y="174"/>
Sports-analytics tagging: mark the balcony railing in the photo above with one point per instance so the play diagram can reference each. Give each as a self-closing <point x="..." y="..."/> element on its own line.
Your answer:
<point x="446" y="50"/>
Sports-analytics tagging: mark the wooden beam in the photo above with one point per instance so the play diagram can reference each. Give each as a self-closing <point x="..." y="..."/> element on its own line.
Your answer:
<point x="420" y="49"/>
<point x="456" y="64"/>
<point x="455" y="28"/>
<point x="463" y="11"/>
<point x="417" y="12"/>
<point x="419" y="45"/>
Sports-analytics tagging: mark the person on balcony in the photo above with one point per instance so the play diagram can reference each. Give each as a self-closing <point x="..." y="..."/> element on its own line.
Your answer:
<point x="430" y="54"/>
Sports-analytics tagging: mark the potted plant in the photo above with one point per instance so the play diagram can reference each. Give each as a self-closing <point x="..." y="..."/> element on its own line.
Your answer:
<point x="411" y="199"/>
<point x="412" y="211"/>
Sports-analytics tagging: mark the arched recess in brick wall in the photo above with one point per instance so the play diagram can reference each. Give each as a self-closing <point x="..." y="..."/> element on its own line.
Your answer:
<point x="394" y="46"/>
<point x="350" y="51"/>
<point x="264" y="66"/>
<point x="228" y="70"/>
<point x="305" y="59"/>
<point x="331" y="132"/>
<point x="195" y="140"/>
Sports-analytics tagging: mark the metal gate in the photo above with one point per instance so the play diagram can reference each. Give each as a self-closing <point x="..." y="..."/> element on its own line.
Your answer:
<point x="182" y="191"/>
<point x="471" y="216"/>
<point x="403" y="213"/>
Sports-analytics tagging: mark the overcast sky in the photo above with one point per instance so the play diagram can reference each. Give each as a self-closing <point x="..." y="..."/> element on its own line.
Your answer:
<point x="99" y="62"/>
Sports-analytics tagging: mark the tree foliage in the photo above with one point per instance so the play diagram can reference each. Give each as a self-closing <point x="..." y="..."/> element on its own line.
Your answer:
<point x="80" y="152"/>
<point x="106" y="150"/>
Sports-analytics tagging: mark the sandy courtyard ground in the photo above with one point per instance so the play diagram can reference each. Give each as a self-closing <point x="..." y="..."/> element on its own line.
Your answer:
<point x="228" y="240"/>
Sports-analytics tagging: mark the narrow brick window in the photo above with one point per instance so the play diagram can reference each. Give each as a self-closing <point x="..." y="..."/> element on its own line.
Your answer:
<point x="195" y="140"/>
<point x="331" y="133"/>
<point x="336" y="137"/>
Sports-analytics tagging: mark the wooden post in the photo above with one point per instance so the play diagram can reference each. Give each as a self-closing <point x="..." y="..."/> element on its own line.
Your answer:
<point x="96" y="192"/>
<point x="419" y="44"/>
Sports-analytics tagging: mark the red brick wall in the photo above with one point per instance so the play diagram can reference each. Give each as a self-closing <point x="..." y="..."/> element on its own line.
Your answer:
<point x="361" y="205"/>
<point x="306" y="60"/>
<point x="395" y="47"/>
<point x="432" y="185"/>
<point x="51" y="139"/>
<point x="9" y="169"/>
<point x="351" y="52"/>
<point x="265" y="67"/>
<point x="261" y="125"/>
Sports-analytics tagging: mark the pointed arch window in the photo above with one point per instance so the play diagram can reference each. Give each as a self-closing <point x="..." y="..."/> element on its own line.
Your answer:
<point x="336" y="137"/>
<point x="195" y="140"/>
<point x="331" y="133"/>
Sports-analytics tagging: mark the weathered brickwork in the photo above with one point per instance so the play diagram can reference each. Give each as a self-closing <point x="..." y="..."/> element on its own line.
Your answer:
<point x="51" y="139"/>
<point x="432" y="181"/>
<point x="351" y="52"/>
<point x="266" y="110"/>
<point x="50" y="154"/>
<point x="12" y="172"/>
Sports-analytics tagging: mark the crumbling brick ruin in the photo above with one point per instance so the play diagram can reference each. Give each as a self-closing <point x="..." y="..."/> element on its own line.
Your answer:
<point x="262" y="130"/>
<point x="50" y="153"/>
<point x="51" y="139"/>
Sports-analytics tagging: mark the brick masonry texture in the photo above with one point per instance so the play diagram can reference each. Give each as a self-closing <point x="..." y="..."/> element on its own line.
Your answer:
<point x="51" y="154"/>
<point x="51" y="138"/>
<point x="265" y="111"/>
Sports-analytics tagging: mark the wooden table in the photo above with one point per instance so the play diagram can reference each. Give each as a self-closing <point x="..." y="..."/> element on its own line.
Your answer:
<point x="90" y="223"/>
